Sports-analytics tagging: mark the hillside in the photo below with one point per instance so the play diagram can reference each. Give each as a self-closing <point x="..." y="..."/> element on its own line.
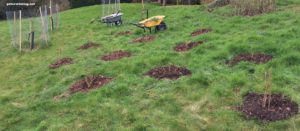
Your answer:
<point x="133" y="101"/>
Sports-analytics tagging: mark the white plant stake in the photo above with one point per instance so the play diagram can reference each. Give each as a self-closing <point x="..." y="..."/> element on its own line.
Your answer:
<point x="20" y="33"/>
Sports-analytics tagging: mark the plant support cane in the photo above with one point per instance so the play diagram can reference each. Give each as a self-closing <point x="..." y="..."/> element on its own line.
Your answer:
<point x="20" y="33"/>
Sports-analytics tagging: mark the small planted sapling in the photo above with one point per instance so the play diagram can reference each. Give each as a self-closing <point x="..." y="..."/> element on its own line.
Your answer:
<point x="267" y="89"/>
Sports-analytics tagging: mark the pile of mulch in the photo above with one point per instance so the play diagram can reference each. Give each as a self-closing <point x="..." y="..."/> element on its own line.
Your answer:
<point x="168" y="72"/>
<point x="61" y="62"/>
<point x="89" y="82"/>
<point x="88" y="45"/>
<point x="116" y="55"/>
<point x="186" y="46"/>
<point x="144" y="39"/>
<point x="281" y="107"/>
<point x="200" y="32"/>
<point x="256" y="58"/>
<point x="123" y="33"/>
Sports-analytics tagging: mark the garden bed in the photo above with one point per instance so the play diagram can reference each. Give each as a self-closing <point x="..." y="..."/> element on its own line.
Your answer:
<point x="116" y="55"/>
<point x="280" y="107"/>
<point x="168" y="72"/>
<point x="256" y="58"/>
<point x="123" y="33"/>
<point x="143" y="39"/>
<point x="88" y="45"/>
<point x="186" y="46"/>
<point x="89" y="82"/>
<point x="200" y="32"/>
<point x="61" y="62"/>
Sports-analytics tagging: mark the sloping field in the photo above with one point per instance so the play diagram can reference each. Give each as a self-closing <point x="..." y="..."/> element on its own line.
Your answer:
<point x="202" y="97"/>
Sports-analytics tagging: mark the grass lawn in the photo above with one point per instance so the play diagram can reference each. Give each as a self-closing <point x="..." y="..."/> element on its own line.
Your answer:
<point x="132" y="101"/>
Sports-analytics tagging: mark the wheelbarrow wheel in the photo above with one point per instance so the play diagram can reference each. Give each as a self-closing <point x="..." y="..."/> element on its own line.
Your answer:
<point x="162" y="26"/>
<point x="119" y="22"/>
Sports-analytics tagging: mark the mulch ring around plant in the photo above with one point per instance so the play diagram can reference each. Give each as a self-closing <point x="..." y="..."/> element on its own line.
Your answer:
<point x="200" y="32"/>
<point x="256" y="58"/>
<point x="168" y="72"/>
<point x="88" y="45"/>
<point x="186" y="46"/>
<point x="144" y="39"/>
<point x="89" y="82"/>
<point x="123" y="33"/>
<point x="280" y="107"/>
<point x="116" y="55"/>
<point x="61" y="62"/>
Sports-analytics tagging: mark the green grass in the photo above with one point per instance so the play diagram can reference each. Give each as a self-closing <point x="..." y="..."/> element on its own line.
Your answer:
<point x="133" y="101"/>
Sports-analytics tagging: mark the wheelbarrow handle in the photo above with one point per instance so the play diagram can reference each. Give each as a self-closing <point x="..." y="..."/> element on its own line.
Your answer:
<point x="118" y="12"/>
<point x="137" y="25"/>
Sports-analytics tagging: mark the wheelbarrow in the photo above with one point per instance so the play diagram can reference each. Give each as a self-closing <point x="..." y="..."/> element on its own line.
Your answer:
<point x="115" y="18"/>
<point x="155" y="21"/>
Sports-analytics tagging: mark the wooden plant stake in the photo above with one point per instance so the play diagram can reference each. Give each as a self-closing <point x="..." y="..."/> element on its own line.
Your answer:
<point x="51" y="16"/>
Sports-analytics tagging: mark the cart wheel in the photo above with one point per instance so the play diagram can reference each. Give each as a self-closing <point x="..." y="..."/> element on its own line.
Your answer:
<point x="162" y="26"/>
<point x="119" y="22"/>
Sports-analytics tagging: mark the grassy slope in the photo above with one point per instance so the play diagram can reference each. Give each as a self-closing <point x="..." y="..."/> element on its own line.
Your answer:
<point x="133" y="101"/>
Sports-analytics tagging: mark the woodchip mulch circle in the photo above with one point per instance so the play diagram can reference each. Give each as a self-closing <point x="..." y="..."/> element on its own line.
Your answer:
<point x="186" y="46"/>
<point x="89" y="82"/>
<point x="61" y="62"/>
<point x="280" y="107"/>
<point x="123" y="33"/>
<point x="200" y="32"/>
<point x="144" y="39"/>
<point x="168" y="72"/>
<point x="257" y="58"/>
<point x="116" y="55"/>
<point x="88" y="45"/>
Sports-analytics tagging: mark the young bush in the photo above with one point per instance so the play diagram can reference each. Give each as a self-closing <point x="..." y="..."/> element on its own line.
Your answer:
<point x="253" y="7"/>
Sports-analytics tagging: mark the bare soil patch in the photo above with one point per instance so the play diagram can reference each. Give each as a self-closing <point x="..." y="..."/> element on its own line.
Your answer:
<point x="144" y="39"/>
<point x="256" y="58"/>
<point x="123" y="33"/>
<point x="200" y="32"/>
<point x="168" y="72"/>
<point x="89" y="82"/>
<point x="88" y="45"/>
<point x="116" y="55"/>
<point x="186" y="46"/>
<point x="280" y="107"/>
<point x="61" y="62"/>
